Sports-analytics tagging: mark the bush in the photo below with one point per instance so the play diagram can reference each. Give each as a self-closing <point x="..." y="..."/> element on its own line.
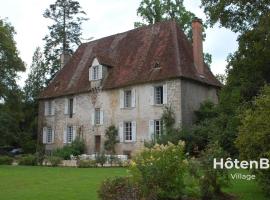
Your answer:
<point x="119" y="188"/>
<point x="213" y="179"/>
<point x="54" y="160"/>
<point x="28" y="160"/>
<point x="5" y="160"/>
<point x="101" y="159"/>
<point x="160" y="172"/>
<point x="87" y="163"/>
<point x="76" y="148"/>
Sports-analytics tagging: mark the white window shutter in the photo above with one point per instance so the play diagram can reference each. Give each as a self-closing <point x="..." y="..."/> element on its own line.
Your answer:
<point x="121" y="132"/>
<point x="101" y="116"/>
<point x="134" y="131"/>
<point x="93" y="117"/>
<point x="74" y="104"/>
<point x="52" y="136"/>
<point x="65" y="135"/>
<point x="121" y="99"/>
<point x="44" y="135"/>
<point x="151" y="129"/>
<point x="74" y="133"/>
<point x="133" y="101"/>
<point x="165" y="95"/>
<point x="46" y="108"/>
<point x="152" y="90"/>
<point x="66" y="106"/>
<point x="100" y="71"/>
<point x="90" y="73"/>
<point x="53" y="107"/>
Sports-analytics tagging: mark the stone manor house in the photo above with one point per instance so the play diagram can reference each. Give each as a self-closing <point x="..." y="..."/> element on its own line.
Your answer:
<point x="126" y="80"/>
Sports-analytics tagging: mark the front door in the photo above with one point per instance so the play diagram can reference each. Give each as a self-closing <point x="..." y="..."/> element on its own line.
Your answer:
<point x="97" y="144"/>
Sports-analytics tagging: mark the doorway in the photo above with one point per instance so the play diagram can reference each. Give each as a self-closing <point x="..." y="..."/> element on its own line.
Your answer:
<point x="97" y="143"/>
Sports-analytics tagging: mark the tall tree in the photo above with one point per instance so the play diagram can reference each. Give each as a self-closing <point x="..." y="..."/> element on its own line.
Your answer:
<point x="64" y="33"/>
<point x="37" y="77"/>
<point x="10" y="62"/>
<point x="153" y="11"/>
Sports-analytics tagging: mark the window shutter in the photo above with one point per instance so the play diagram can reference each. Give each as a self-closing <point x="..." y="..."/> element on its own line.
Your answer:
<point x="46" y="108"/>
<point x="53" y="107"/>
<point x="65" y="135"/>
<point x="152" y="97"/>
<point x="74" y="104"/>
<point x="53" y="136"/>
<point x="121" y="132"/>
<point x="44" y="135"/>
<point x="74" y="133"/>
<point x="151" y="130"/>
<point x="90" y="73"/>
<point x="66" y="106"/>
<point x="101" y="116"/>
<point x="134" y="131"/>
<point x="100" y="71"/>
<point x="133" y="101"/>
<point x="165" y="96"/>
<point x="93" y="117"/>
<point x="121" y="99"/>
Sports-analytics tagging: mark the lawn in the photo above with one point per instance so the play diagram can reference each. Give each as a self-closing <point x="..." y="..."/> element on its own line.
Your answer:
<point x="43" y="183"/>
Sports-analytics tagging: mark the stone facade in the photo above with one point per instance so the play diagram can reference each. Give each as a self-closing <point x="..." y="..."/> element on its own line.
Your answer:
<point x="183" y="96"/>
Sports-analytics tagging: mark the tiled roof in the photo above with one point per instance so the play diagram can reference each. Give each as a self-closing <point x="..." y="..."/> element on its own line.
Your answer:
<point x="151" y="53"/>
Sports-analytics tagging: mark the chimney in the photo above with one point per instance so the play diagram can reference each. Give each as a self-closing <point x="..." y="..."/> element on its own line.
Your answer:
<point x="64" y="58"/>
<point x="197" y="45"/>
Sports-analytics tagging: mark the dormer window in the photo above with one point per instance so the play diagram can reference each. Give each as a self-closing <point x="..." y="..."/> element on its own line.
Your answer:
<point x="95" y="71"/>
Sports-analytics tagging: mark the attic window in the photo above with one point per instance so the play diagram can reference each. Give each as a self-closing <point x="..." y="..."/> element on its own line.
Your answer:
<point x="157" y="65"/>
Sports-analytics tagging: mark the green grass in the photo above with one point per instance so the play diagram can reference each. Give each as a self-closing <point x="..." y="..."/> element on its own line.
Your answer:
<point x="44" y="183"/>
<point x="245" y="190"/>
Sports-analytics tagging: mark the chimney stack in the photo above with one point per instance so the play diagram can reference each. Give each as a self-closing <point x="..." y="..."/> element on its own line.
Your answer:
<point x="197" y="45"/>
<point x="64" y="58"/>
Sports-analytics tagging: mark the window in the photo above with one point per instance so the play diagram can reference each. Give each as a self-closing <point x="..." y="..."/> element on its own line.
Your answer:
<point x="97" y="116"/>
<point x="95" y="72"/>
<point x="49" y="107"/>
<point x="49" y="135"/>
<point x="70" y="107"/>
<point x="127" y="98"/>
<point x="69" y="134"/>
<point x="128" y="131"/>
<point x="158" y="95"/>
<point x="157" y="127"/>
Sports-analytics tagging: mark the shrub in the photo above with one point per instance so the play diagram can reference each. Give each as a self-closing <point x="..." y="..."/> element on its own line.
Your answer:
<point x="5" y="160"/>
<point x="54" y="160"/>
<point x="160" y="171"/>
<point x="76" y="148"/>
<point x="213" y="179"/>
<point x="111" y="139"/>
<point x="119" y="188"/>
<point x="101" y="159"/>
<point x="28" y="160"/>
<point x="87" y="163"/>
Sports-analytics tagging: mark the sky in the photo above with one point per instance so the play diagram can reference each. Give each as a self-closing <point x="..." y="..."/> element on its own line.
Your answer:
<point x="106" y="17"/>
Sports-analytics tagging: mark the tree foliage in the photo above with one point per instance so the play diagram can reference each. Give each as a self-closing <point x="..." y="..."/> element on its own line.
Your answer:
<point x="111" y="139"/>
<point x="10" y="62"/>
<point x="64" y="33"/>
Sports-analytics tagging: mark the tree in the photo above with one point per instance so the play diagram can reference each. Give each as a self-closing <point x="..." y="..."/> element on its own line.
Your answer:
<point x="111" y="134"/>
<point x="10" y="62"/>
<point x="64" y="33"/>
<point x="241" y="15"/>
<point x="37" y="77"/>
<point x="253" y="140"/>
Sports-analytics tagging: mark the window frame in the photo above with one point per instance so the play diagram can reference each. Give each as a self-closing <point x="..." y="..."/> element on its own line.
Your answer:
<point x="158" y="95"/>
<point x="127" y="129"/>
<point x="158" y="132"/>
<point x="95" y="72"/>
<point x="70" y="107"/>
<point x="49" y="135"/>
<point x="97" y="119"/>
<point x="127" y="99"/>
<point x="70" y="133"/>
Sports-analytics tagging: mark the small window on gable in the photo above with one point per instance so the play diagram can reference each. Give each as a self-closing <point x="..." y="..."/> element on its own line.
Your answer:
<point x="95" y="71"/>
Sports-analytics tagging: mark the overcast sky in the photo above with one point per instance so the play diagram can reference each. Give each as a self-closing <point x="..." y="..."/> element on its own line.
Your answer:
<point x="106" y="17"/>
